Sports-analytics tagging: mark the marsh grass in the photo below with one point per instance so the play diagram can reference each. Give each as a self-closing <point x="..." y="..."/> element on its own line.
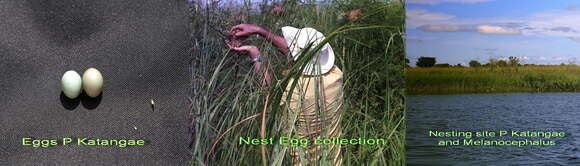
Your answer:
<point x="562" y="78"/>
<point x="228" y="102"/>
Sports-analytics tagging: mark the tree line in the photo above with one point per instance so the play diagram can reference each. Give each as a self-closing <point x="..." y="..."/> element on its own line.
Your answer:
<point x="432" y="62"/>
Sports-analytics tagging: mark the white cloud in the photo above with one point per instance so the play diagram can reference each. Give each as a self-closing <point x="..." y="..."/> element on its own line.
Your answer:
<point x="416" y="17"/>
<point x="559" y="59"/>
<point x="422" y="14"/>
<point x="483" y="29"/>
<point x="435" y="2"/>
<point x="444" y="28"/>
<point x="521" y="58"/>
<point x="572" y="7"/>
<point x="557" y="23"/>
<point x="560" y="23"/>
<point x="576" y="39"/>
<point x="496" y="30"/>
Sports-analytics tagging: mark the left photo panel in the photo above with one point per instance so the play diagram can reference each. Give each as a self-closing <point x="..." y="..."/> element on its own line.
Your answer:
<point x="94" y="82"/>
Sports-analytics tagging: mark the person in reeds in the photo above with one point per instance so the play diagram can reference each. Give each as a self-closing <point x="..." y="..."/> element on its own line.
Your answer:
<point x="317" y="99"/>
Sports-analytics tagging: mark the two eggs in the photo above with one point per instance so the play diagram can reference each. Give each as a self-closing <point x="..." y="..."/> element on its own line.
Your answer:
<point x="91" y="82"/>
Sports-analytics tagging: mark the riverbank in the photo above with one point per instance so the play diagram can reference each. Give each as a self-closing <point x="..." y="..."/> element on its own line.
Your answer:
<point x="453" y="80"/>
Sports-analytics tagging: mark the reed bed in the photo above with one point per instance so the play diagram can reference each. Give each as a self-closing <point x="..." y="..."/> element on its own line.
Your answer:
<point x="228" y="102"/>
<point x="546" y="78"/>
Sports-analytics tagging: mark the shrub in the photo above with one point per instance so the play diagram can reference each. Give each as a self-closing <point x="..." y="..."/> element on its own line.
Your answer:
<point x="426" y="61"/>
<point x="442" y="65"/>
<point x="474" y="63"/>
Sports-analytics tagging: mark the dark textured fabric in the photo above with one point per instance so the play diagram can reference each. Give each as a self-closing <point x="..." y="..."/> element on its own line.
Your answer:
<point x="141" y="49"/>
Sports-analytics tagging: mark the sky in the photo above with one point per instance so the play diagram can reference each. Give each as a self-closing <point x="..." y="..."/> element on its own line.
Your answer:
<point x="457" y="31"/>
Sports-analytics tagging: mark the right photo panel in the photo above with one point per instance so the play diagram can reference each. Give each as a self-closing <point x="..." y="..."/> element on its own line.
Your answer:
<point x="492" y="82"/>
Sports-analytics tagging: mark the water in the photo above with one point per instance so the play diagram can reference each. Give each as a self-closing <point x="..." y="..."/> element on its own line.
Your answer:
<point x="481" y="112"/>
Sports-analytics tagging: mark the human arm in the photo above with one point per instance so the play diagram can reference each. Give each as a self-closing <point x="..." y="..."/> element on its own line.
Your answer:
<point x="254" y="53"/>
<point x="276" y="40"/>
<point x="242" y="31"/>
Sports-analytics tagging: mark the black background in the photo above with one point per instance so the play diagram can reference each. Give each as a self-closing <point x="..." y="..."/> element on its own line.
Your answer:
<point x="140" y="47"/>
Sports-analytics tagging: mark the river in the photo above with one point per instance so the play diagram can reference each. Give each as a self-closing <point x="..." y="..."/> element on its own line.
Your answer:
<point x="493" y="112"/>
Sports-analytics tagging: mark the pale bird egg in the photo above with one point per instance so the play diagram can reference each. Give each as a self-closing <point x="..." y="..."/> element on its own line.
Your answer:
<point x="92" y="82"/>
<point x="71" y="84"/>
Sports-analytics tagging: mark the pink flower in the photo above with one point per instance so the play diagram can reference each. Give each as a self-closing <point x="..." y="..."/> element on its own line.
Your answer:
<point x="277" y="10"/>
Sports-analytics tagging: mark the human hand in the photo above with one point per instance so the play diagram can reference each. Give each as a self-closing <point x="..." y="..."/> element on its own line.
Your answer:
<point x="242" y="31"/>
<point x="234" y="42"/>
<point x="252" y="51"/>
<point x="255" y="54"/>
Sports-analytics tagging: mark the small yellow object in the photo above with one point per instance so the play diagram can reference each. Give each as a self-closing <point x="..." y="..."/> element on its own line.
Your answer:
<point x="152" y="105"/>
<point x="135" y="127"/>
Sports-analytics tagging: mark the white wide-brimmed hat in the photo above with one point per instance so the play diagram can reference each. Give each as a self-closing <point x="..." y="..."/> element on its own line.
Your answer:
<point x="298" y="39"/>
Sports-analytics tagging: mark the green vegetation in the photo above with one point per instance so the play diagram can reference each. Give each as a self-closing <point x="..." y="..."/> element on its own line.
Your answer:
<point x="426" y="62"/>
<point x="227" y="100"/>
<point x="474" y="63"/>
<point x="529" y="78"/>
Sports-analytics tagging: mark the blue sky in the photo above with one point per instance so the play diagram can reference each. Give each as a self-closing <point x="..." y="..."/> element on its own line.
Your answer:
<point x="457" y="31"/>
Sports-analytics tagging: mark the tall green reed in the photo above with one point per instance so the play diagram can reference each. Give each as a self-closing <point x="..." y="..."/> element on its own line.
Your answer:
<point x="227" y="98"/>
<point x="494" y="79"/>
